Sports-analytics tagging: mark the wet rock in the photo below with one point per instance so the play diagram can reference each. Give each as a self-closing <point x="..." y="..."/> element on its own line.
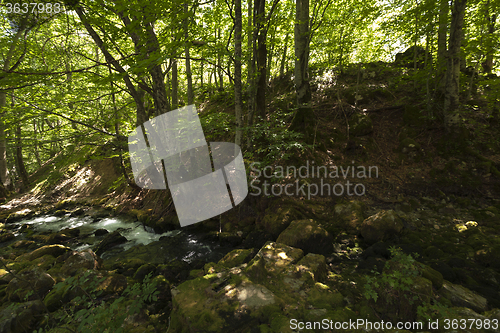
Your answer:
<point x="381" y="226"/>
<point x="58" y="237"/>
<point x="110" y="240"/>
<point x="83" y="260"/>
<point x="6" y="236"/>
<point x="22" y="317"/>
<point x="53" y="250"/>
<point x="229" y="239"/>
<point x="100" y="232"/>
<point x="308" y="236"/>
<point x="29" y="281"/>
<point x="19" y="215"/>
<point x="463" y="297"/>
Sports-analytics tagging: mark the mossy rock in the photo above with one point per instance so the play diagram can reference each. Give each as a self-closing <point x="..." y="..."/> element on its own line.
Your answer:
<point x="278" y="219"/>
<point x="29" y="281"/>
<point x="236" y="258"/>
<point x="114" y="284"/>
<point x="381" y="226"/>
<point x="314" y="265"/>
<point x="308" y="236"/>
<point x="144" y="270"/>
<point x="55" y="251"/>
<point x="348" y="216"/>
<point x="321" y="297"/>
<point x="432" y="275"/>
<point x="22" y="317"/>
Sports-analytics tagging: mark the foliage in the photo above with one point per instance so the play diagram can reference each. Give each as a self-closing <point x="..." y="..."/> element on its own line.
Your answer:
<point x="273" y="142"/>
<point x="89" y="313"/>
<point x="396" y="289"/>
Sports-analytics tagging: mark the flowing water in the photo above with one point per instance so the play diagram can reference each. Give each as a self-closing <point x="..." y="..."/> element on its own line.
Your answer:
<point x="176" y="244"/>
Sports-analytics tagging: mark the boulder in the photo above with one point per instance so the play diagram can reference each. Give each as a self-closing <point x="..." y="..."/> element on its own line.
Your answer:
<point x="110" y="240"/>
<point x="407" y="58"/>
<point x="278" y="219"/>
<point x="349" y="216"/>
<point x="22" y="317"/>
<point x="463" y="297"/>
<point x="28" y="282"/>
<point x="114" y="284"/>
<point x="279" y="283"/>
<point x="308" y="236"/>
<point x="54" y="250"/>
<point x="381" y="226"/>
<point x="86" y="259"/>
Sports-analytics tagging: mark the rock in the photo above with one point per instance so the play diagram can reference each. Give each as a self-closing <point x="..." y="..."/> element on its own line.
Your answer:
<point x="62" y="293"/>
<point x="22" y="317"/>
<point x="308" y="236"/>
<point x="22" y="244"/>
<point x="19" y="215"/>
<point x="100" y="232"/>
<point x="84" y="260"/>
<point x="29" y="281"/>
<point x="236" y="258"/>
<point x="6" y="236"/>
<point x="273" y="257"/>
<point x="381" y="226"/>
<point x="489" y="257"/>
<point x="278" y="219"/>
<point x="279" y="277"/>
<point x="315" y="265"/>
<point x="53" y="250"/>
<point x="463" y="297"/>
<point x="406" y="58"/>
<point x="360" y="124"/>
<point x="110" y="240"/>
<point x="432" y="275"/>
<point x="349" y="216"/>
<point x="229" y="239"/>
<point x="144" y="270"/>
<point x="114" y="284"/>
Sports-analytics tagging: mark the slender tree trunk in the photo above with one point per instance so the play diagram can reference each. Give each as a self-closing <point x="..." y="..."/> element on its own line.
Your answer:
<point x="260" y="95"/>
<point x="490" y="43"/>
<point x="4" y="170"/>
<point x="304" y="118"/>
<point x="444" y="9"/>
<point x="451" y="98"/>
<point x="219" y="63"/>
<point x="190" y="93"/>
<point x="175" y="85"/>
<point x="283" y="58"/>
<point x="252" y="52"/>
<point x="21" y="168"/>
<point x="237" y="72"/>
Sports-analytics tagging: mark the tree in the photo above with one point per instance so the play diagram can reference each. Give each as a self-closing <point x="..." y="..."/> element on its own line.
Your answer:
<point x="451" y="98"/>
<point x="304" y="116"/>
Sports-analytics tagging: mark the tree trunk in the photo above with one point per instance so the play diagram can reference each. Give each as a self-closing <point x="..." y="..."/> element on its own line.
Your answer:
<point x="252" y="52"/>
<point x="260" y="95"/>
<point x="490" y="40"/>
<point x="451" y="98"/>
<point x="20" y="160"/>
<point x="136" y="95"/>
<point x="283" y="58"/>
<point x="444" y="9"/>
<point x="4" y="170"/>
<point x="175" y="84"/>
<point x="219" y="63"/>
<point x="237" y="72"/>
<point x="189" y="76"/>
<point x="304" y="118"/>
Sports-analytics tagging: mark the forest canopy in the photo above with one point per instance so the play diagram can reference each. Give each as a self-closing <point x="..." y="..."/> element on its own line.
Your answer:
<point x="83" y="73"/>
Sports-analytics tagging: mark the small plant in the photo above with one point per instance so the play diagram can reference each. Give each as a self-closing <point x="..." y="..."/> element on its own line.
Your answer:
<point x="398" y="292"/>
<point x="89" y="313"/>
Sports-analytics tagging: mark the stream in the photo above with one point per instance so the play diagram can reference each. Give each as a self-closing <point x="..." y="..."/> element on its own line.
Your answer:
<point x="176" y="244"/>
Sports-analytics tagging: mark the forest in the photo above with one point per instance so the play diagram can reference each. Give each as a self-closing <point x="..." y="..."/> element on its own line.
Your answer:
<point x="356" y="145"/>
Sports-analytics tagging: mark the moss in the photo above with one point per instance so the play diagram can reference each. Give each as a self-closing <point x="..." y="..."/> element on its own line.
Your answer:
<point x="325" y="299"/>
